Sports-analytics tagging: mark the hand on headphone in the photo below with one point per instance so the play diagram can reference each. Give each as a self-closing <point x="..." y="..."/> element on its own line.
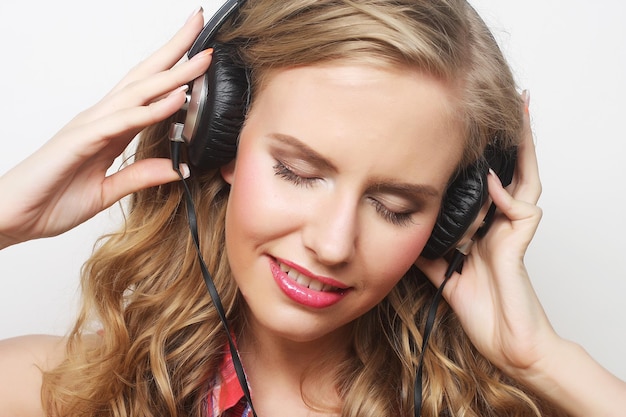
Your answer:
<point x="493" y="297"/>
<point x="65" y="182"/>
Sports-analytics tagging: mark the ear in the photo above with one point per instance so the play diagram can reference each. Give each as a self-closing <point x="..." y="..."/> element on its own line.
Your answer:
<point x="228" y="171"/>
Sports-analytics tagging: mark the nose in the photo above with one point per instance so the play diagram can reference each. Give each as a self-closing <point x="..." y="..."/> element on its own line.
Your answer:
<point x="331" y="232"/>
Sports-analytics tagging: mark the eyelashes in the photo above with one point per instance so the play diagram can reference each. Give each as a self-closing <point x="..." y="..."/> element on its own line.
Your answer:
<point x="286" y="173"/>
<point x="399" y="219"/>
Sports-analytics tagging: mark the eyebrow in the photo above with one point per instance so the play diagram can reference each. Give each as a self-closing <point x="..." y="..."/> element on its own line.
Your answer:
<point x="406" y="190"/>
<point x="377" y="185"/>
<point x="306" y="152"/>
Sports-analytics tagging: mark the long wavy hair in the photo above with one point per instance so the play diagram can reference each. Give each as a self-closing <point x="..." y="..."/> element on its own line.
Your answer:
<point x="161" y="341"/>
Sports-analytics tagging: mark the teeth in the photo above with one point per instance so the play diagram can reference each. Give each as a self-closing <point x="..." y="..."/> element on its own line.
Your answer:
<point x="306" y="281"/>
<point x="316" y="285"/>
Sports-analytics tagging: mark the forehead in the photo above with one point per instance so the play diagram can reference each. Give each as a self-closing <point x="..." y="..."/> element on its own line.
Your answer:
<point x="387" y="120"/>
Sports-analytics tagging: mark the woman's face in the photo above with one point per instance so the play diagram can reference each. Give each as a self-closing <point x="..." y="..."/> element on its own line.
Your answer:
<point x="336" y="187"/>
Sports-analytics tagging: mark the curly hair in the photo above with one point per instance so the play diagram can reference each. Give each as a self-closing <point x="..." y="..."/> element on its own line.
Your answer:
<point x="162" y="340"/>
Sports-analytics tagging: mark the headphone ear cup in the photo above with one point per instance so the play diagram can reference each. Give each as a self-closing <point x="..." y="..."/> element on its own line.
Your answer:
<point x="461" y="205"/>
<point x="222" y="107"/>
<point x="465" y="198"/>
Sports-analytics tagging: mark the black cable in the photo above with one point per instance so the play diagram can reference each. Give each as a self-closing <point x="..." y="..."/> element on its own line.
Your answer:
<point x="456" y="261"/>
<point x="208" y="280"/>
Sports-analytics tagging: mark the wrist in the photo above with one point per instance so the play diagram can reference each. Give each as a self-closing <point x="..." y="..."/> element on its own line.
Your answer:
<point x="570" y="378"/>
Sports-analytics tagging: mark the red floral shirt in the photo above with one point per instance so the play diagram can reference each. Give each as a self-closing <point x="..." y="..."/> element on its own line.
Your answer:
<point x="226" y="399"/>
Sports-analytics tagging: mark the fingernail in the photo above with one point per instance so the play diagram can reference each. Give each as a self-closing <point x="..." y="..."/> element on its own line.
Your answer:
<point x="203" y="53"/>
<point x="526" y="98"/>
<point x="184" y="169"/>
<point x="182" y="88"/>
<point x="493" y="173"/>
<point x="195" y="12"/>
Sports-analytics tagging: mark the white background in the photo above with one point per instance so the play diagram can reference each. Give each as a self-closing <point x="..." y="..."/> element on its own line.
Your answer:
<point x="60" y="57"/>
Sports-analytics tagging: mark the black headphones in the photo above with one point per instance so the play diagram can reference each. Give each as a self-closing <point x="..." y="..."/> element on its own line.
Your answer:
<point x="214" y="115"/>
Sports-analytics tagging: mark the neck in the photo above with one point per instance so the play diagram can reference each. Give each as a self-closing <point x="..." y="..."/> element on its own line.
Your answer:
<point x="283" y="373"/>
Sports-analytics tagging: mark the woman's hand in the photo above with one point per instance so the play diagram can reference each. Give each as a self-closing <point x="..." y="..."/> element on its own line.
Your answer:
<point x="493" y="297"/>
<point x="501" y="314"/>
<point x="65" y="182"/>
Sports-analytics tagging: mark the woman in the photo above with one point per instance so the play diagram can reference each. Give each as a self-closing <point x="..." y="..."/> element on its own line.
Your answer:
<point x="361" y="115"/>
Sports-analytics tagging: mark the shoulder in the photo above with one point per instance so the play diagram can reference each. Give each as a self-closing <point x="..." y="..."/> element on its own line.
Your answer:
<point x="22" y="361"/>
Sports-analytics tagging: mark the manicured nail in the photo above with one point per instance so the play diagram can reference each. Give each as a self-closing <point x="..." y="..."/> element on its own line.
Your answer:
<point x="526" y="98"/>
<point x="182" y="88"/>
<point x="203" y="53"/>
<point x="184" y="169"/>
<point x="195" y="12"/>
<point x="493" y="173"/>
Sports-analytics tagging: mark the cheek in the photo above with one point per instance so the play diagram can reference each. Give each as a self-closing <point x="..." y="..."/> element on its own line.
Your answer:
<point x="256" y="209"/>
<point x="395" y="254"/>
<point x="245" y="202"/>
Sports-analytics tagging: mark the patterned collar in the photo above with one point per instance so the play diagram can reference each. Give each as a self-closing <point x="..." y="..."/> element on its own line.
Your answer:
<point x="226" y="399"/>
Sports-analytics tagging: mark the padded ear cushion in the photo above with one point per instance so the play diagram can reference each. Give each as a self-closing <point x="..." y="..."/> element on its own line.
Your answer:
<point x="222" y="112"/>
<point x="502" y="161"/>
<point x="460" y="206"/>
<point x="465" y="198"/>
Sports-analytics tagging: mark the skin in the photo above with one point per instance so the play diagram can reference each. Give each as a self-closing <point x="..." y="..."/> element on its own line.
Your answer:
<point x="494" y="298"/>
<point x="322" y="169"/>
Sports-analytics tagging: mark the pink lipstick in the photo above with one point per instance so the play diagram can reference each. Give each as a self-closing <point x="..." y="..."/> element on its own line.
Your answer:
<point x="304" y="287"/>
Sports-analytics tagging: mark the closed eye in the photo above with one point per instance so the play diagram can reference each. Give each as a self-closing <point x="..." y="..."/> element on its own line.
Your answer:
<point x="286" y="173"/>
<point x="393" y="217"/>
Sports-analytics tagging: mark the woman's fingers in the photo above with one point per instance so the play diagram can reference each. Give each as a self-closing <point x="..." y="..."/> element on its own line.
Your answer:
<point x="137" y="176"/>
<point x="435" y="269"/>
<point x="157" y="85"/>
<point x="125" y="113"/>
<point x="169" y="54"/>
<point x="149" y="90"/>
<point x="87" y="139"/>
<point x="156" y="76"/>
<point x="518" y="201"/>
<point x="515" y="209"/>
<point x="526" y="184"/>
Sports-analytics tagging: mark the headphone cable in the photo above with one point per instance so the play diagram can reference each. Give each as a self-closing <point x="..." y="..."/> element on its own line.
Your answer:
<point x="454" y="265"/>
<point x="175" y="145"/>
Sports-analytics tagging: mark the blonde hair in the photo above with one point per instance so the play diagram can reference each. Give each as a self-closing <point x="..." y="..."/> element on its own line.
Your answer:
<point x="162" y="341"/>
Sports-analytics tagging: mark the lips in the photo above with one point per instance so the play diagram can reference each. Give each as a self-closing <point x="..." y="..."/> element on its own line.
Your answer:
<point x="306" y="288"/>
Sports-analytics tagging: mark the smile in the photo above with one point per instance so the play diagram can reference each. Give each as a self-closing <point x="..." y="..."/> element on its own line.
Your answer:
<point x="306" y="281"/>
<point x="305" y="288"/>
